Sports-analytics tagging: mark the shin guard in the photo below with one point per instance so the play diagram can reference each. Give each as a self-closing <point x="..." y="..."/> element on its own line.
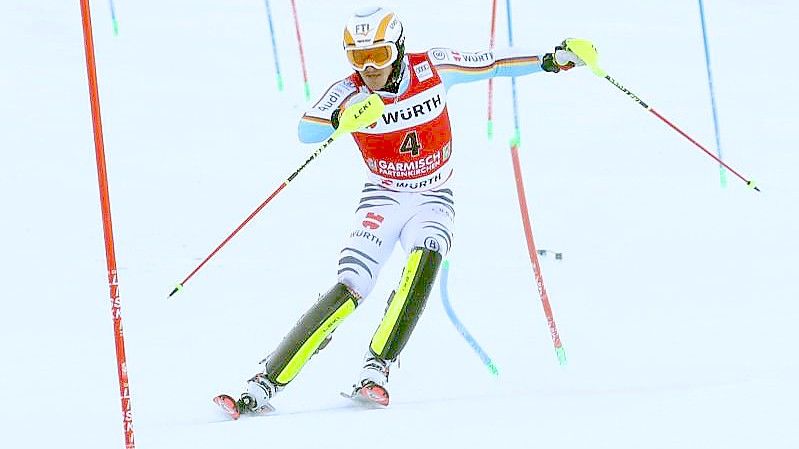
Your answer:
<point x="310" y="334"/>
<point x="406" y="304"/>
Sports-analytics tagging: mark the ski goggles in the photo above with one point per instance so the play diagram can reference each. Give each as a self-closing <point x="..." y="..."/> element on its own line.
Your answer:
<point x="378" y="56"/>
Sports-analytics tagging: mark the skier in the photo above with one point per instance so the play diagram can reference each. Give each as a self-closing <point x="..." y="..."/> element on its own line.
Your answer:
<point x="407" y="196"/>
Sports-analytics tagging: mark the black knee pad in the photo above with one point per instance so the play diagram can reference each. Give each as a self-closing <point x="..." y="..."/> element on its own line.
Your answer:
<point x="406" y="304"/>
<point x="310" y="334"/>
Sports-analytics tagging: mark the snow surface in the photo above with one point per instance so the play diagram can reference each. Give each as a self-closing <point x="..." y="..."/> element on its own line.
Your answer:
<point x="676" y="299"/>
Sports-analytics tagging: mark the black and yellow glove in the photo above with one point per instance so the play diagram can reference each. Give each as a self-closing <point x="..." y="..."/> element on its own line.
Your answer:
<point x="561" y="59"/>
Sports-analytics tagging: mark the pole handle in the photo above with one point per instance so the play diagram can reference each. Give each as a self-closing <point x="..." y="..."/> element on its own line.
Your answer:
<point x="585" y="50"/>
<point x="361" y="114"/>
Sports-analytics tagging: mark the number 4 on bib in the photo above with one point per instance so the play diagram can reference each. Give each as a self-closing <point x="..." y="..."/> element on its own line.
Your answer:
<point x="410" y="144"/>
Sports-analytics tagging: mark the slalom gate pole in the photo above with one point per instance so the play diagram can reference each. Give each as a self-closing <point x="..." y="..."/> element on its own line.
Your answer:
<point x="586" y="51"/>
<point x="528" y="228"/>
<point x="108" y="231"/>
<point x="354" y="117"/>
<point x="560" y="351"/>
<point x="302" y="52"/>
<point x="490" y="121"/>
<point x="274" y="47"/>
<point x="516" y="131"/>
<point x="114" y="17"/>
<point x="459" y="326"/>
<point x="722" y="172"/>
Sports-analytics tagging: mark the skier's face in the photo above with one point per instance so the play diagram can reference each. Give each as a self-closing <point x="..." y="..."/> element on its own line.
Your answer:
<point x="375" y="79"/>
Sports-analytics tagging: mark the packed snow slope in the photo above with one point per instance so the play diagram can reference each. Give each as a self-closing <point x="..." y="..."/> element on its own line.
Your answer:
<point x="676" y="299"/>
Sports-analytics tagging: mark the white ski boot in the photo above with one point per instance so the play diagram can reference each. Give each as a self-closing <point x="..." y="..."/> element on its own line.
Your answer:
<point x="374" y="379"/>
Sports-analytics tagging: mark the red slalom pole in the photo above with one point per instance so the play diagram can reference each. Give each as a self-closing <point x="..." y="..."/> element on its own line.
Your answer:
<point x="490" y="124"/>
<point x="108" y="233"/>
<point x="539" y="278"/>
<point x="302" y="52"/>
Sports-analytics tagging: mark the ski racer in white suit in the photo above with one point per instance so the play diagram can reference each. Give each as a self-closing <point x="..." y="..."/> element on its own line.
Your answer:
<point x="407" y="196"/>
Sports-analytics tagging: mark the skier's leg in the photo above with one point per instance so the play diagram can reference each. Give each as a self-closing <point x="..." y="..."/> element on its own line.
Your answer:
<point x="432" y="224"/>
<point x="308" y="335"/>
<point x="375" y="229"/>
<point x="406" y="304"/>
<point x="374" y="233"/>
<point x="427" y="236"/>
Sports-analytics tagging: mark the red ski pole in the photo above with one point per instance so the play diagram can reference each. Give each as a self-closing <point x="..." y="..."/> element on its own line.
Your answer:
<point x="586" y="51"/>
<point x="354" y="117"/>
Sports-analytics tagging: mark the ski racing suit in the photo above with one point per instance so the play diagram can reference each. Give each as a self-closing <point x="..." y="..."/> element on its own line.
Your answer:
<point x="407" y="198"/>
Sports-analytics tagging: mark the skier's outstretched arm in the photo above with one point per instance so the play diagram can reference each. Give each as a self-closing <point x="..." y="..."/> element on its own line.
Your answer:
<point x="456" y="67"/>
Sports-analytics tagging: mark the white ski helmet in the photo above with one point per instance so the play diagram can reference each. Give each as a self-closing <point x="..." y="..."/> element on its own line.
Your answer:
<point x="373" y="37"/>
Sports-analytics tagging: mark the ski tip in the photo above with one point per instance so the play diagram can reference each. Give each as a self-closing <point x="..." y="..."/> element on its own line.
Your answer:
<point x="373" y="396"/>
<point x="228" y="405"/>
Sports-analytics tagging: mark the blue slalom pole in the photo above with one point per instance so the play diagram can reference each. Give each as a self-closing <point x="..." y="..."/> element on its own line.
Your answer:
<point x="114" y="17"/>
<point x="722" y="171"/>
<point x="516" y="141"/>
<point x="459" y="326"/>
<point x="274" y="47"/>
